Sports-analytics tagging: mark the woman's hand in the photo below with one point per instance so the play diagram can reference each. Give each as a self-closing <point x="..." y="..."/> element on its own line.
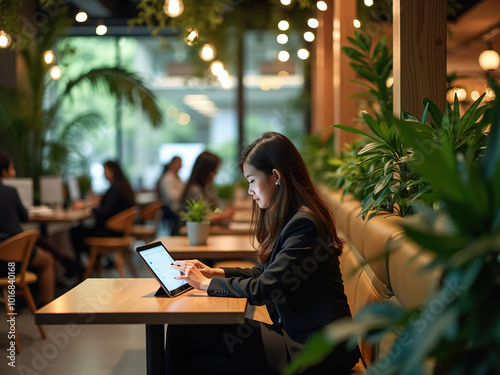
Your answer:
<point x="193" y="271"/>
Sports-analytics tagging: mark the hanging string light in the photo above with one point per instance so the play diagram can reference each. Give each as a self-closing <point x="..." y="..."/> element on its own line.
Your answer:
<point x="55" y="73"/>
<point x="207" y="52"/>
<point x="191" y="36"/>
<point x="173" y="8"/>
<point x="5" y="39"/>
<point x="48" y="57"/>
<point x="81" y="16"/>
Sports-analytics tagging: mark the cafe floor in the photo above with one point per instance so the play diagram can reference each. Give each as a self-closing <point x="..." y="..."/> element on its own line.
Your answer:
<point x="89" y="350"/>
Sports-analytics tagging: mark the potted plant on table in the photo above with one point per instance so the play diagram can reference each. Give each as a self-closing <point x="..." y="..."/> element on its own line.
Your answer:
<point x="196" y="215"/>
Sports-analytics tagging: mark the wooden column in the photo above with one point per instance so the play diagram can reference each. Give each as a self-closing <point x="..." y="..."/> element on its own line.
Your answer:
<point x="419" y="54"/>
<point x="322" y="76"/>
<point x="344" y="107"/>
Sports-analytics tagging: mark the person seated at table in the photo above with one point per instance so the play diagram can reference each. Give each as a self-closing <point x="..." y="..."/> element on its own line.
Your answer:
<point x="298" y="277"/>
<point x="117" y="198"/>
<point x="12" y="213"/>
<point x="199" y="185"/>
<point x="170" y="188"/>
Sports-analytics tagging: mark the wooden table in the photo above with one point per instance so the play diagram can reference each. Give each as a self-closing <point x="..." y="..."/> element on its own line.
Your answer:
<point x="59" y="216"/>
<point x="217" y="247"/>
<point x="132" y="301"/>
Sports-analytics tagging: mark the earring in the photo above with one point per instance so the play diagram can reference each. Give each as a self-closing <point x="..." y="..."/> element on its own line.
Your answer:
<point x="276" y="183"/>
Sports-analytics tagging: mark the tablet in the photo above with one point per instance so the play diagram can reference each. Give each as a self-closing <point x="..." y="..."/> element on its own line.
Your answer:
<point x="158" y="260"/>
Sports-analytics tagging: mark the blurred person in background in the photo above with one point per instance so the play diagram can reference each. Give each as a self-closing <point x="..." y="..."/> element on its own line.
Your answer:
<point x="12" y="213"/>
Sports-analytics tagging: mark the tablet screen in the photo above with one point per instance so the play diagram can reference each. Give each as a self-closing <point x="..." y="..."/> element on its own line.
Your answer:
<point x="158" y="260"/>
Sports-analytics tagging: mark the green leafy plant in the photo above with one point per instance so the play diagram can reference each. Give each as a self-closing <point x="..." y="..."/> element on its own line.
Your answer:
<point x="318" y="154"/>
<point x="196" y="211"/>
<point x="374" y="64"/>
<point x="463" y="235"/>
<point x="389" y="183"/>
<point x="225" y="192"/>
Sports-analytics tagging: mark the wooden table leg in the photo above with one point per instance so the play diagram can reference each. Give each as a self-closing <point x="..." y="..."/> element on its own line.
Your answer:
<point x="155" y="349"/>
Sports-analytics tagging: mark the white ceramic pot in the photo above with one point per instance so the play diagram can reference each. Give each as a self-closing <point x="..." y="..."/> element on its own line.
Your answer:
<point x="198" y="232"/>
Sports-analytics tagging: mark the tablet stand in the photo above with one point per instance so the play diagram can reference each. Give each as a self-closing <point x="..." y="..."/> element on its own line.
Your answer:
<point x="161" y="293"/>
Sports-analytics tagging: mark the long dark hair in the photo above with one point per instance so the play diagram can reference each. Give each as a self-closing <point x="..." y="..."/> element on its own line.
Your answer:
<point x="295" y="192"/>
<point x="206" y="163"/>
<point x="5" y="162"/>
<point x="120" y="181"/>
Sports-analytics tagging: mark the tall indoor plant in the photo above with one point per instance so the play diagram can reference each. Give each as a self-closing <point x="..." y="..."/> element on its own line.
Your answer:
<point x="32" y="126"/>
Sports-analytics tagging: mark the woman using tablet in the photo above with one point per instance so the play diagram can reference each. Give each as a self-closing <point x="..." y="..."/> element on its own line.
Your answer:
<point x="298" y="278"/>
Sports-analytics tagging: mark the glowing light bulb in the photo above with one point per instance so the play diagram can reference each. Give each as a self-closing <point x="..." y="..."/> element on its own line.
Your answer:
<point x="226" y="83"/>
<point x="283" y="56"/>
<point x="81" y="17"/>
<point x="216" y="67"/>
<point x="101" y="29"/>
<point x="286" y="2"/>
<point x="173" y="8"/>
<point x="48" y="57"/>
<point x="207" y="52"/>
<point x="321" y="6"/>
<point x="282" y="38"/>
<point x="356" y="23"/>
<point x="283" y="25"/>
<point x="55" y="73"/>
<point x="368" y="3"/>
<point x="191" y="36"/>
<point x="312" y="23"/>
<point x="5" y="39"/>
<point x="474" y="95"/>
<point x="303" y="54"/>
<point x="308" y="36"/>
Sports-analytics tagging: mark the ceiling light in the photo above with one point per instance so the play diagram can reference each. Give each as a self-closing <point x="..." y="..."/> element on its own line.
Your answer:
<point x="207" y="52"/>
<point x="283" y="25"/>
<point x="81" y="17"/>
<point x="216" y="67"/>
<point x="5" y="39"/>
<point x="309" y="36"/>
<point x="303" y="53"/>
<point x="55" y="73"/>
<point x="173" y="8"/>
<point x="489" y="60"/>
<point x="191" y="36"/>
<point x="48" y="57"/>
<point x="282" y="38"/>
<point x="283" y="56"/>
<point x="312" y="23"/>
<point x="321" y="6"/>
<point x="101" y="29"/>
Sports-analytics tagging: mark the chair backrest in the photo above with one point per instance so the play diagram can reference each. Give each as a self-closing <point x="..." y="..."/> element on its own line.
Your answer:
<point x="150" y="212"/>
<point x="123" y="221"/>
<point x="18" y="249"/>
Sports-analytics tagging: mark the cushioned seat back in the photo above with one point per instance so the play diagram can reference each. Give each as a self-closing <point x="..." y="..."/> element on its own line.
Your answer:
<point x="411" y="283"/>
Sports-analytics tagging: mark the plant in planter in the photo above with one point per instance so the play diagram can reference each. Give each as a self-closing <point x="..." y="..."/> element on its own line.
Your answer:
<point x="196" y="215"/>
<point x="458" y="326"/>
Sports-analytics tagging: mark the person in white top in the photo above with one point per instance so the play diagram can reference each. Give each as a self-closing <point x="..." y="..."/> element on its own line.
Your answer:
<point x="171" y="186"/>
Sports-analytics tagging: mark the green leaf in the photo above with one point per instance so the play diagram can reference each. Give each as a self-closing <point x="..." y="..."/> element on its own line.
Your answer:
<point x="351" y="130"/>
<point x="434" y="111"/>
<point x="381" y="184"/>
<point x="372" y="124"/>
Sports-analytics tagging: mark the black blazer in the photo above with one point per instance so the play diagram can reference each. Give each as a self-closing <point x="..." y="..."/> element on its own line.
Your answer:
<point x="12" y="212"/>
<point x="112" y="202"/>
<point x="301" y="283"/>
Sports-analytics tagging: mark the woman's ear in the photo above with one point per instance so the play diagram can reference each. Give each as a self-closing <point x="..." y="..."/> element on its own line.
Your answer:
<point x="277" y="176"/>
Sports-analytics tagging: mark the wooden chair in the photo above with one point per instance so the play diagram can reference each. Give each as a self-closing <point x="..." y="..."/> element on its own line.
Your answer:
<point x="18" y="249"/>
<point x="150" y="214"/>
<point x="122" y="222"/>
